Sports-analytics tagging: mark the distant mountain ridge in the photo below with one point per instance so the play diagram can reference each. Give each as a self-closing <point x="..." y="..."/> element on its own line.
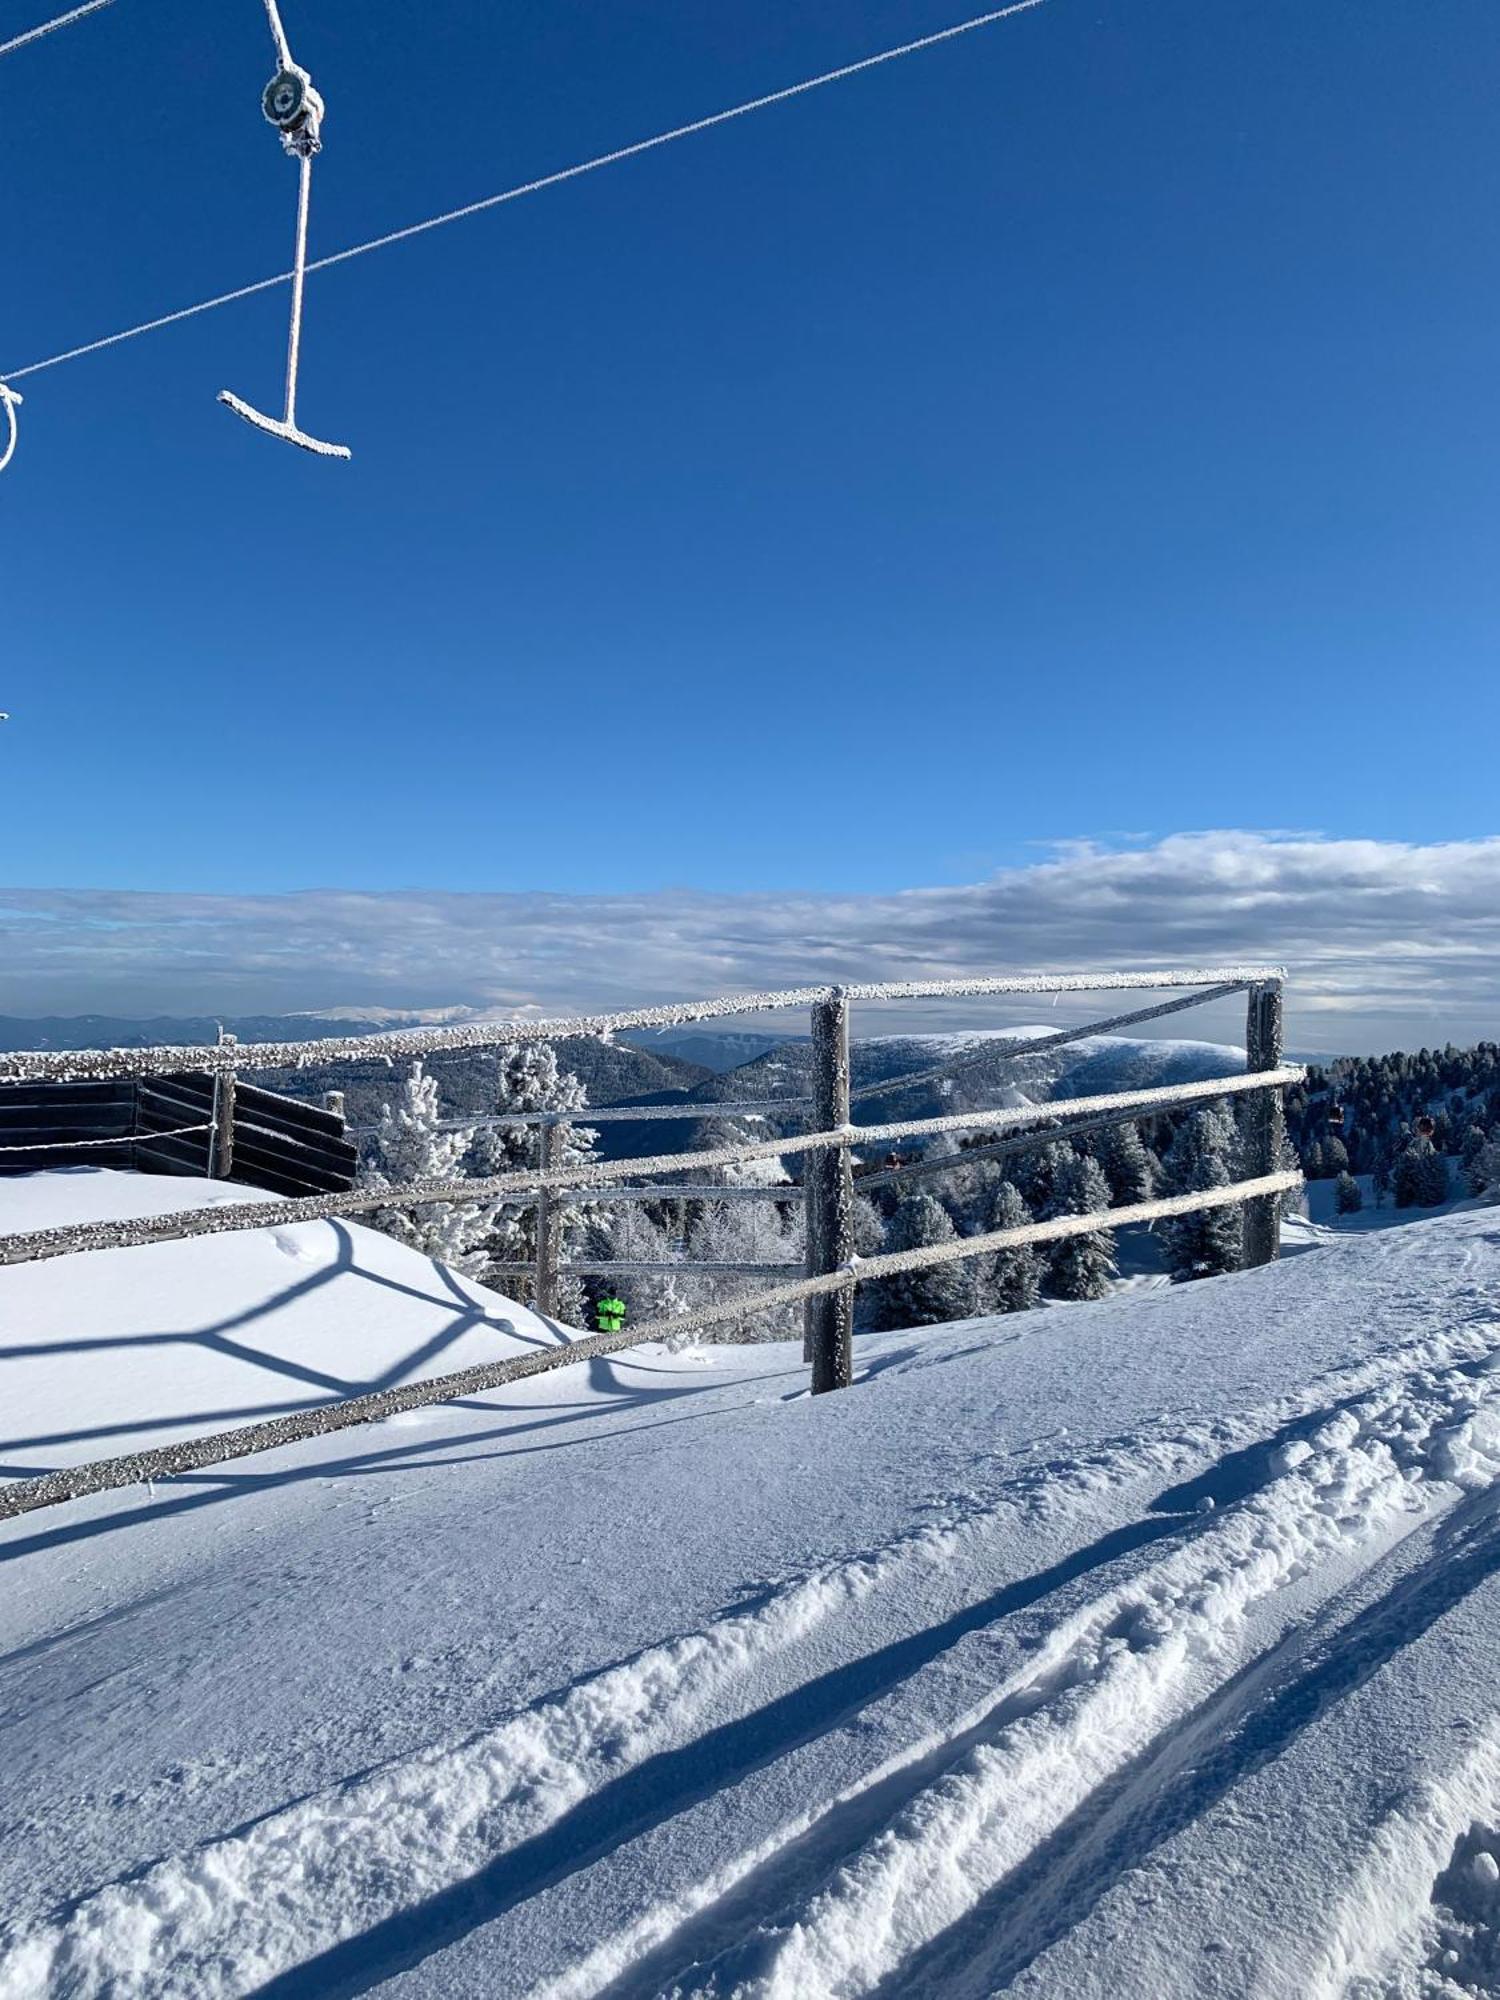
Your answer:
<point x="111" y="1031"/>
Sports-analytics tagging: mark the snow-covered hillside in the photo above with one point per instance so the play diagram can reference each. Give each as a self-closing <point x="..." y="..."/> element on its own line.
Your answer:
<point x="988" y="1069"/>
<point x="1137" y="1649"/>
<point x="136" y="1348"/>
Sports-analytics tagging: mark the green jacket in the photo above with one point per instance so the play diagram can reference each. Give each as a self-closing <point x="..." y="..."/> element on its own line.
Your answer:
<point x="611" y="1315"/>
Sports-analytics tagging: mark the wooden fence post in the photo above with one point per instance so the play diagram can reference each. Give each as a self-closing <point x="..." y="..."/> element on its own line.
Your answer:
<point x="548" y="1225"/>
<point x="221" y="1135"/>
<point x="333" y="1100"/>
<point x="828" y="1320"/>
<point x="1265" y="1123"/>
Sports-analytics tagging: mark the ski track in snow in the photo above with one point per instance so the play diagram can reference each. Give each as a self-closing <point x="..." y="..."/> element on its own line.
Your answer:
<point x="955" y="1816"/>
<point x="882" y="1870"/>
<point x="236" y="1912"/>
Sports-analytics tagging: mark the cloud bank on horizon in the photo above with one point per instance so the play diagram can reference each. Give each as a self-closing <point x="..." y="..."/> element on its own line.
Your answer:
<point x="1387" y="944"/>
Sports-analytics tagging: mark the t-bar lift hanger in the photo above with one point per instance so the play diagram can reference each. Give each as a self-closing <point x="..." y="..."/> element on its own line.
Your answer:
<point x="296" y="110"/>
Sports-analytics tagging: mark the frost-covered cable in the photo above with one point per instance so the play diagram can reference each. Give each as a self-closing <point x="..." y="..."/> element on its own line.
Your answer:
<point x="611" y="159"/>
<point x="50" y="1489"/>
<point x="278" y="35"/>
<point x="231" y="1217"/>
<point x="66" y="1145"/>
<point x="51" y="27"/>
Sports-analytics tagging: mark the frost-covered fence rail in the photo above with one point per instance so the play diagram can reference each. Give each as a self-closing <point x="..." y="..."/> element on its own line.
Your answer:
<point x="403" y="1044"/>
<point x="50" y="1489"/>
<point x="832" y="1272"/>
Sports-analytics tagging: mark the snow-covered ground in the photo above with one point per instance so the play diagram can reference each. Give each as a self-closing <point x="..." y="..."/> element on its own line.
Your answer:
<point x="137" y="1348"/>
<point x="1143" y="1649"/>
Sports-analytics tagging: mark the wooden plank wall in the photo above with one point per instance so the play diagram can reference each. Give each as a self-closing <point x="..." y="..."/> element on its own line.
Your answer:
<point x="49" y="1115"/>
<point x="280" y="1143"/>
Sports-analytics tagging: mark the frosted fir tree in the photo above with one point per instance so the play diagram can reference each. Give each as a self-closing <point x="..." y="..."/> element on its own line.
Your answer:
<point x="1035" y="1174"/>
<point x="765" y="1231"/>
<point x="1484" y="1173"/>
<point x="530" y="1079"/>
<point x="1294" y="1201"/>
<point x="1013" y="1281"/>
<point x="921" y="1298"/>
<point x="869" y="1230"/>
<point x="409" y="1144"/>
<point x="1130" y="1166"/>
<point x="748" y="1232"/>
<point x="1335" y="1157"/>
<point x="1348" y="1196"/>
<point x="1209" y="1241"/>
<point x="1083" y="1267"/>
<point x="627" y="1233"/>
<point x="1420" y="1177"/>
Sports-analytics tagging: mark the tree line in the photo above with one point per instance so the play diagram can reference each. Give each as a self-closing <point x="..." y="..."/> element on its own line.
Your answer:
<point x="1411" y="1123"/>
<point x="1418" y="1126"/>
<point x="415" y="1140"/>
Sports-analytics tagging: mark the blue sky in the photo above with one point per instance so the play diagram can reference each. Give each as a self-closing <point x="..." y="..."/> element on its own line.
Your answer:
<point x="1086" y="428"/>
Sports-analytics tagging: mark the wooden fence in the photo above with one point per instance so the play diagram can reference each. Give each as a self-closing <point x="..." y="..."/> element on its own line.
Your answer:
<point x="832" y="1270"/>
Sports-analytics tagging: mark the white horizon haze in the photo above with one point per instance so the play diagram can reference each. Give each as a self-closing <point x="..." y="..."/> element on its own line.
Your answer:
<point x="1387" y="944"/>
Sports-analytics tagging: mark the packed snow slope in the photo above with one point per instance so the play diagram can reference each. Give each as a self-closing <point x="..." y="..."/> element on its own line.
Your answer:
<point x="138" y="1348"/>
<point x="1144" y="1648"/>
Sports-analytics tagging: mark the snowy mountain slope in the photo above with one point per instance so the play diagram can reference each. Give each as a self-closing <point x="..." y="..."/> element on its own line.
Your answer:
<point x="1144" y="1647"/>
<point x="1098" y="1063"/>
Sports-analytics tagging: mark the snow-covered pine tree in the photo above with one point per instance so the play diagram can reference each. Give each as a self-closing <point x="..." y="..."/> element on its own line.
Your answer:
<point x="1013" y="1280"/>
<point x="1035" y="1174"/>
<point x="869" y="1230"/>
<point x="1207" y="1242"/>
<point x="1484" y="1176"/>
<point x="1081" y="1266"/>
<point x="743" y="1232"/>
<point x="921" y="1298"/>
<point x="1420" y="1178"/>
<point x="529" y="1078"/>
<point x="626" y="1232"/>
<point x="1348" y="1197"/>
<point x="748" y="1232"/>
<point x="1477" y="1147"/>
<point x="1130" y="1166"/>
<point x="407" y="1145"/>
<point x="1294" y="1201"/>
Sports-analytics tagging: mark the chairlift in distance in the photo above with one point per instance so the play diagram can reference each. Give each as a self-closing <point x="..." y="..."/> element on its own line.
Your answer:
<point x="290" y="103"/>
<point x="1336" y="1118"/>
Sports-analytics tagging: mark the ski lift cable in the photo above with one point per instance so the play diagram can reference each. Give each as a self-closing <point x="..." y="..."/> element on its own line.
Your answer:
<point x="278" y="35"/>
<point x="51" y="27"/>
<point x="610" y="159"/>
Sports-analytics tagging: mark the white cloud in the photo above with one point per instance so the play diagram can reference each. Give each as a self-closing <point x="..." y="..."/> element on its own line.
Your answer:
<point x="1386" y="943"/>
